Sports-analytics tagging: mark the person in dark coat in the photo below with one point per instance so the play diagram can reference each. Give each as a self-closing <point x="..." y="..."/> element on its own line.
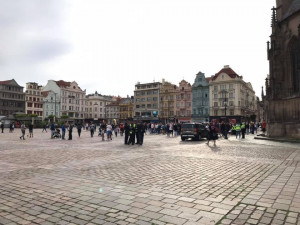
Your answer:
<point x="30" y="128"/>
<point x="140" y="132"/>
<point x="70" y="131"/>
<point x="126" y="129"/>
<point x="2" y="127"/>
<point x="131" y="134"/>
<point x="79" y="127"/>
<point x="212" y="134"/>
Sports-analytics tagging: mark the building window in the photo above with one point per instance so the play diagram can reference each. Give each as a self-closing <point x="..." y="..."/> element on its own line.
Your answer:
<point x="223" y="87"/>
<point x="143" y="106"/>
<point x="148" y="105"/>
<point x="231" y="112"/>
<point x="216" y="112"/>
<point x="137" y="106"/>
<point x="137" y="100"/>
<point x="231" y="103"/>
<point x="230" y="86"/>
<point x="155" y="92"/>
<point x="137" y="94"/>
<point x="216" y="104"/>
<point x="231" y="95"/>
<point x="215" y="88"/>
<point x="215" y="96"/>
<point x="155" y="99"/>
<point x="143" y="93"/>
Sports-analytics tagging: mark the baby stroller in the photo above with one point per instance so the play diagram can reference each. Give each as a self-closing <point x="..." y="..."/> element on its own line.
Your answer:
<point x="56" y="133"/>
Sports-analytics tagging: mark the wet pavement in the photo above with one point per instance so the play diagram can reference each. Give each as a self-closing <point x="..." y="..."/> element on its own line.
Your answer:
<point x="165" y="181"/>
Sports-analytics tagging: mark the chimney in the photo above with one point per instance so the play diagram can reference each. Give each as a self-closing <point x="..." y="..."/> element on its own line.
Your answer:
<point x="226" y="67"/>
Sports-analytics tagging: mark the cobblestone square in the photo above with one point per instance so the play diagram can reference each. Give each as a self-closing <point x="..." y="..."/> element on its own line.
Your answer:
<point x="165" y="181"/>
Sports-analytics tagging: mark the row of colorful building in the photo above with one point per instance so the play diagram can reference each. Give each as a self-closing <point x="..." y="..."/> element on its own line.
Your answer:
<point x="224" y="95"/>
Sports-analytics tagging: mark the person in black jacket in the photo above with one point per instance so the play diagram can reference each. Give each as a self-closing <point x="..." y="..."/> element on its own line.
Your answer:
<point x="131" y="134"/>
<point x="70" y="131"/>
<point x="126" y="129"/>
<point x="140" y="133"/>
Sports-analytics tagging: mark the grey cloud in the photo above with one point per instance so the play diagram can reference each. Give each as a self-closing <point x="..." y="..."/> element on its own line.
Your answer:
<point x="31" y="30"/>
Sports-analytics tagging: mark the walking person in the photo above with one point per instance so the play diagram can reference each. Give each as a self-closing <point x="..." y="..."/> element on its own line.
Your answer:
<point x="70" y="128"/>
<point x="103" y="130"/>
<point x="2" y="127"/>
<point x="52" y="128"/>
<point x="109" y="132"/>
<point x="30" y="128"/>
<point x="23" y="128"/>
<point x="63" y="130"/>
<point x="116" y="131"/>
<point x="141" y="131"/>
<point x="212" y="134"/>
<point x="92" y="129"/>
<point x="79" y="127"/>
<point x="44" y="128"/>
<point x="237" y="129"/>
<point x="243" y="129"/>
<point x="131" y="134"/>
<point x="126" y="130"/>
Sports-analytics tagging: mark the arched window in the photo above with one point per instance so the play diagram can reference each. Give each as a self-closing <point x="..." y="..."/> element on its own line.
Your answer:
<point x="295" y="65"/>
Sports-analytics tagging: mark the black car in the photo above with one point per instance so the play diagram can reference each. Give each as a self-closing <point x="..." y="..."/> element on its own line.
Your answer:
<point x="195" y="131"/>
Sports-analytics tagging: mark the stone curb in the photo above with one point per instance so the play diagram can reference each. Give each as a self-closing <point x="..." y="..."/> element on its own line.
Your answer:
<point x="278" y="140"/>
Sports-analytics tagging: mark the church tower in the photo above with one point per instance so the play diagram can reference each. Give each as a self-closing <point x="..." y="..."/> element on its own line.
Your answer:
<point x="282" y="100"/>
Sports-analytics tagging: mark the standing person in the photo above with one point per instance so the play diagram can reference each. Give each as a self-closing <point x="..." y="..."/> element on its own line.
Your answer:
<point x="2" y="127"/>
<point x="70" y="128"/>
<point x="116" y="131"/>
<point x="136" y="132"/>
<point x="63" y="130"/>
<point x="227" y="128"/>
<point x="237" y="129"/>
<point x="52" y="128"/>
<point x="243" y="128"/>
<point x="92" y="129"/>
<point x="175" y="127"/>
<point x="121" y="129"/>
<point x="247" y="128"/>
<point x="30" y="128"/>
<point x="10" y="128"/>
<point x="44" y="128"/>
<point x="79" y="127"/>
<point x="109" y="132"/>
<point x="171" y="129"/>
<point x="141" y="131"/>
<point x="264" y="126"/>
<point x="131" y="134"/>
<point x="103" y="130"/>
<point x="126" y="129"/>
<point x="23" y="128"/>
<point x="223" y="128"/>
<point x="212" y="134"/>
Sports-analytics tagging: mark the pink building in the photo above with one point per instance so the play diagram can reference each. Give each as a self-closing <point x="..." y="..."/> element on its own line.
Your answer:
<point x="183" y="106"/>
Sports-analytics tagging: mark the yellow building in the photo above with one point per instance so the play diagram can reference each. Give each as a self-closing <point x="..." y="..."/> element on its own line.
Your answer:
<point x="167" y="101"/>
<point x="126" y="109"/>
<point x="231" y="96"/>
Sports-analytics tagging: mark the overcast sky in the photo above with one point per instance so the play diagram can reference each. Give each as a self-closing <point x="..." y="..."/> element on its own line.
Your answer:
<point x="110" y="45"/>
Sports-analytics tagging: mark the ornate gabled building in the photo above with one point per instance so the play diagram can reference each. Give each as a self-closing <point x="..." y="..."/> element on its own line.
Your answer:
<point x="231" y="98"/>
<point x="167" y="101"/>
<point x="200" y="103"/>
<point x="12" y="98"/>
<point x="183" y="106"/>
<point x="126" y="109"/>
<point x="282" y="100"/>
<point x="34" y="99"/>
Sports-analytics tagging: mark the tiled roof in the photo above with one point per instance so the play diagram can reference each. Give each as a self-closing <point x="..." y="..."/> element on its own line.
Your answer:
<point x="62" y="83"/>
<point x="230" y="72"/>
<point x="5" y="82"/>
<point x="45" y="93"/>
<point x="208" y="79"/>
<point x="295" y="7"/>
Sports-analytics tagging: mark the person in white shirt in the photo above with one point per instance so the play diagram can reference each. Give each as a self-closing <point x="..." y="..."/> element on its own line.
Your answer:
<point x="109" y="132"/>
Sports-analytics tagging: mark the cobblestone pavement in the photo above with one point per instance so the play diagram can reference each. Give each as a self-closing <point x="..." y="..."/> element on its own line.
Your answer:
<point x="165" y="181"/>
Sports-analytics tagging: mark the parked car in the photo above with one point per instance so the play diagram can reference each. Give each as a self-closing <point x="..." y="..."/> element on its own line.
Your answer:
<point x="195" y="131"/>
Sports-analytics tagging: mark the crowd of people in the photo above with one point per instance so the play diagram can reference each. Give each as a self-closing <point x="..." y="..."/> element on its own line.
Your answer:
<point x="134" y="131"/>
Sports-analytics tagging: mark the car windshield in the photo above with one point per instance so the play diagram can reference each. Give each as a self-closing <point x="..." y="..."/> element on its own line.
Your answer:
<point x="188" y="125"/>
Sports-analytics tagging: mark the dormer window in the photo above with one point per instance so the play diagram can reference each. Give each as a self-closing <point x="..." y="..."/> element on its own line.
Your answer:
<point x="223" y="76"/>
<point x="74" y="87"/>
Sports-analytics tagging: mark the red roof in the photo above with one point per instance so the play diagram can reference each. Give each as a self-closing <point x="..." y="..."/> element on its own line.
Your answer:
<point x="62" y="83"/>
<point x="5" y="82"/>
<point x="208" y="79"/>
<point x="230" y="72"/>
<point x="45" y="93"/>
